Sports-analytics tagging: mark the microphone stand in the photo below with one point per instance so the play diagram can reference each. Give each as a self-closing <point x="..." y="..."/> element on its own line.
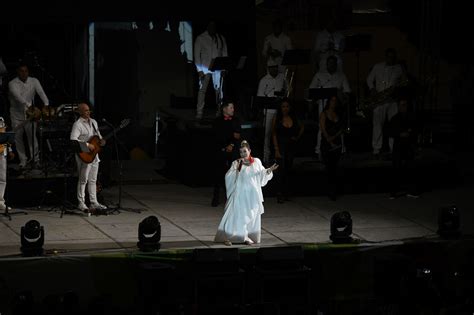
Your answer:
<point x="118" y="207"/>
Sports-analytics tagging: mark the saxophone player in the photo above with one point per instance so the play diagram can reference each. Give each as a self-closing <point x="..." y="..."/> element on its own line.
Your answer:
<point x="384" y="75"/>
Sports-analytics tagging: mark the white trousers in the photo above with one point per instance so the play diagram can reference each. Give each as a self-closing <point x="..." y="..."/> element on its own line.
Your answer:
<point x="267" y="141"/>
<point x="3" y="179"/>
<point x="381" y="114"/>
<point x="87" y="173"/>
<point x="32" y="141"/>
<point x="203" y="84"/>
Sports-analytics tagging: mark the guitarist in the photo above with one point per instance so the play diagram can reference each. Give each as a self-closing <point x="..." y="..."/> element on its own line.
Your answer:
<point x="22" y="94"/>
<point x="84" y="129"/>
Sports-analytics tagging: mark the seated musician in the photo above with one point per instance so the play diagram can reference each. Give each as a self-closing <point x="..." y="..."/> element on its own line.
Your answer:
<point x="23" y="113"/>
<point x="82" y="131"/>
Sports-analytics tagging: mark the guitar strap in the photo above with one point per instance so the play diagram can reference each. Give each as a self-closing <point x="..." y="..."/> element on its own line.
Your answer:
<point x="95" y="129"/>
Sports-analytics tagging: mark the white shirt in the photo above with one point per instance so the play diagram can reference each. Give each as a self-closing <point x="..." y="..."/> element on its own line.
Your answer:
<point x="324" y="79"/>
<point x="22" y="95"/>
<point x="329" y="42"/>
<point x="268" y="85"/>
<point x="384" y="76"/>
<point x="281" y="43"/>
<point x="206" y="49"/>
<point x="83" y="130"/>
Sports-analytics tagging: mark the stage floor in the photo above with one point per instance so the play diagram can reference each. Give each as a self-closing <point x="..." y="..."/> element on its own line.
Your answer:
<point x="188" y="220"/>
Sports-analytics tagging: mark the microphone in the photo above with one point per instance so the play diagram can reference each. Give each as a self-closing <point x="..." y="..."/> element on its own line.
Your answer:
<point x="240" y="164"/>
<point x="107" y="122"/>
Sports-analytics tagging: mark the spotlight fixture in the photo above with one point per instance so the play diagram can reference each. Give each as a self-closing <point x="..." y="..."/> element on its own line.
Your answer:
<point x="341" y="228"/>
<point x="149" y="234"/>
<point x="449" y="222"/>
<point x="32" y="239"/>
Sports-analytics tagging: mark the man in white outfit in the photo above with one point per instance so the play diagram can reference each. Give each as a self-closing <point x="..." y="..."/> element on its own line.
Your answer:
<point x="22" y="94"/>
<point x="330" y="78"/>
<point x="208" y="45"/>
<point x="275" y="45"/>
<point x="329" y="42"/>
<point x="384" y="75"/>
<point x="5" y="154"/>
<point x="273" y="82"/>
<point x="82" y="130"/>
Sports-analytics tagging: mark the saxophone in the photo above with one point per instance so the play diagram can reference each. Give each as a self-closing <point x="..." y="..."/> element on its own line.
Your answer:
<point x="379" y="98"/>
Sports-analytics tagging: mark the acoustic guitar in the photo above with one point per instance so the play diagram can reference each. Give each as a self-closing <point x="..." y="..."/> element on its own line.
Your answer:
<point x="89" y="156"/>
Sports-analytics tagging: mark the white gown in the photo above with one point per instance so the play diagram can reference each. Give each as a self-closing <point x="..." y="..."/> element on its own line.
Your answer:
<point x="244" y="206"/>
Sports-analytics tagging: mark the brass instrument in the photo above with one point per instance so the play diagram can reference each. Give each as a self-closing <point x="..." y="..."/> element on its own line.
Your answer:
<point x="379" y="98"/>
<point x="290" y="82"/>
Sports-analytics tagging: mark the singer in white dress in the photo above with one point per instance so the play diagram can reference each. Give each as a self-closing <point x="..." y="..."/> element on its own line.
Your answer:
<point x="244" y="180"/>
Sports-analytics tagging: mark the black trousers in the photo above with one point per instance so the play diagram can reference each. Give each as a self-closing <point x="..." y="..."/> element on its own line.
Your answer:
<point x="331" y="160"/>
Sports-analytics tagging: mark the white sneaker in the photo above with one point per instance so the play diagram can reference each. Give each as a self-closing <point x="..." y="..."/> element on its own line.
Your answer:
<point x="96" y="205"/>
<point x="82" y="207"/>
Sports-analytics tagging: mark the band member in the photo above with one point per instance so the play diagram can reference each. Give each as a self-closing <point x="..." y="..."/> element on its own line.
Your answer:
<point x="83" y="129"/>
<point x="403" y="128"/>
<point x="208" y="46"/>
<point x="332" y="128"/>
<point x="329" y="42"/>
<point x="275" y="45"/>
<point x="271" y="85"/>
<point x="244" y="180"/>
<point x="22" y="94"/>
<point x="226" y="130"/>
<point x="383" y="76"/>
<point x="286" y="131"/>
<point x="5" y="153"/>
<point x="330" y="78"/>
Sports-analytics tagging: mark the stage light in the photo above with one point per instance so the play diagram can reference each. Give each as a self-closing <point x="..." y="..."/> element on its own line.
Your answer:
<point x="341" y="227"/>
<point x="149" y="234"/>
<point x="449" y="222"/>
<point x="32" y="239"/>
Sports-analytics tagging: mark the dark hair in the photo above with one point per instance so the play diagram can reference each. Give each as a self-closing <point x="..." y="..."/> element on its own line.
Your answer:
<point x="277" y="22"/>
<point x="390" y="50"/>
<point x="332" y="57"/>
<point x="21" y="64"/>
<point x="291" y="113"/>
<point x="338" y="102"/>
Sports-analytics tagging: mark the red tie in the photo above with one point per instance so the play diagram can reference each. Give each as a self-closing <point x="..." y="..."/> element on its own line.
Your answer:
<point x="227" y="117"/>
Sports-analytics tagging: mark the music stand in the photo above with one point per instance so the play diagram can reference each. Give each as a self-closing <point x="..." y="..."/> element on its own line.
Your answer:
<point x="221" y="64"/>
<point x="5" y="138"/>
<point x="357" y="43"/>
